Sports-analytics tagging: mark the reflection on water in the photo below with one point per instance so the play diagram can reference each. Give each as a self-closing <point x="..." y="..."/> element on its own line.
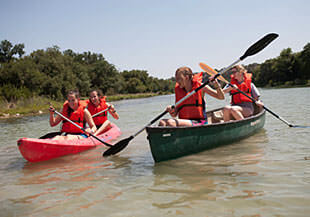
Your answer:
<point x="267" y="174"/>
<point x="209" y="176"/>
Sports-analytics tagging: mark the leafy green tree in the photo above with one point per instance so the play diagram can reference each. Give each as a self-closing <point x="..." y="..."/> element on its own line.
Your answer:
<point x="305" y="62"/>
<point x="134" y="85"/>
<point x="7" y="51"/>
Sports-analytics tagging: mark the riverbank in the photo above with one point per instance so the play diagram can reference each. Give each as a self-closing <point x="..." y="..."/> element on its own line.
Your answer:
<point x="40" y="105"/>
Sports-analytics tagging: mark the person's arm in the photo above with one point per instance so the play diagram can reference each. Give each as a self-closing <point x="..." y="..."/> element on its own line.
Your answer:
<point x="255" y="94"/>
<point x="102" y="127"/>
<point x="53" y="120"/>
<point x="172" y="111"/>
<point x="227" y="88"/>
<point x="90" y="121"/>
<point x="112" y="111"/>
<point x="217" y="93"/>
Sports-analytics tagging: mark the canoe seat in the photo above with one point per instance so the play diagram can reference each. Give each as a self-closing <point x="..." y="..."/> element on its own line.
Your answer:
<point x="217" y="116"/>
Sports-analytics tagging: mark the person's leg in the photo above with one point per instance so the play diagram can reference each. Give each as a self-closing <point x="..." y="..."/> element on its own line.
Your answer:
<point x="247" y="112"/>
<point x="227" y="113"/>
<point x="70" y="136"/>
<point x="175" y="122"/>
<point x="237" y="112"/>
<point x="59" y="138"/>
<point x="184" y="122"/>
<point x="103" y="127"/>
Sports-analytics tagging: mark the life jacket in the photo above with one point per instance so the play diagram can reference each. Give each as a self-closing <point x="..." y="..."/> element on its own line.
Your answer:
<point x="192" y="108"/>
<point x="76" y="116"/>
<point x="100" y="119"/>
<point x="245" y="86"/>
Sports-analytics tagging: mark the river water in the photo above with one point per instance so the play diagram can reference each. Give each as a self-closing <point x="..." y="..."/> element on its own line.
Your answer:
<point x="267" y="174"/>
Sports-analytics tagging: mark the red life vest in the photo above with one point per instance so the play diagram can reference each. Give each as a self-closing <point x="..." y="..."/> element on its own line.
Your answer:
<point x="100" y="119"/>
<point x="245" y="86"/>
<point x="76" y="116"/>
<point x="192" y="108"/>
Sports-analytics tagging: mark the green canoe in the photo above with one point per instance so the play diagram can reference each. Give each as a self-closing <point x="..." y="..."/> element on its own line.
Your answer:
<point x="173" y="142"/>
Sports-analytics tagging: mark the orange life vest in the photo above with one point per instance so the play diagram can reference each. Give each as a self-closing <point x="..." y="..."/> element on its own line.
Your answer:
<point x="100" y="119"/>
<point x="245" y="86"/>
<point x="76" y="116"/>
<point x="192" y="108"/>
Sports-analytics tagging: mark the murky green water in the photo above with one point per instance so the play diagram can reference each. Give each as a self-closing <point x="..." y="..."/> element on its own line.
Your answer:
<point x="267" y="174"/>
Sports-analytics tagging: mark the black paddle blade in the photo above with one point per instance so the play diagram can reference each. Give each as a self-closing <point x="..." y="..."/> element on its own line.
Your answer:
<point x="117" y="147"/>
<point x="298" y="126"/>
<point x="259" y="45"/>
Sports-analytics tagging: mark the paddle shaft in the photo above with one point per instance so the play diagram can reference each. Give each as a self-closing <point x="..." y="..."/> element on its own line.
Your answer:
<point x="81" y="128"/>
<point x="95" y="115"/>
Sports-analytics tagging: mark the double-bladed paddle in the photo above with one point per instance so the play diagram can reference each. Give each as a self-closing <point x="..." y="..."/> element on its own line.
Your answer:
<point x="212" y="72"/>
<point x="81" y="128"/>
<point x="255" y="48"/>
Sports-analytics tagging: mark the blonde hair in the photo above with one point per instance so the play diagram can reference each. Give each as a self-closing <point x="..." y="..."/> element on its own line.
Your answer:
<point x="184" y="71"/>
<point x="240" y="68"/>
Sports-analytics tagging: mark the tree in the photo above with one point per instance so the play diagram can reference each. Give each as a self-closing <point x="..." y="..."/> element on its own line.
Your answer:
<point x="305" y="61"/>
<point x="134" y="85"/>
<point x="7" y="51"/>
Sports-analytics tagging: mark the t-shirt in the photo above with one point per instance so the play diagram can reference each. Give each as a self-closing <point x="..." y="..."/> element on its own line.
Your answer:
<point x="254" y="91"/>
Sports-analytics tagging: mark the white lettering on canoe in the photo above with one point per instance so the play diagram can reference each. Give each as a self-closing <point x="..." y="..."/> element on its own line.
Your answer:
<point x="255" y="122"/>
<point x="166" y="134"/>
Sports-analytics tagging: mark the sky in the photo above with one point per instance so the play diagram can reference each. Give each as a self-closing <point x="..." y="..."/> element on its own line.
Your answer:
<point x="158" y="36"/>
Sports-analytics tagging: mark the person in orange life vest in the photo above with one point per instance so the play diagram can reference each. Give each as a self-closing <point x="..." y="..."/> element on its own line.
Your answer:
<point x="191" y="112"/>
<point x="241" y="106"/>
<point x="96" y="104"/>
<point x="74" y="109"/>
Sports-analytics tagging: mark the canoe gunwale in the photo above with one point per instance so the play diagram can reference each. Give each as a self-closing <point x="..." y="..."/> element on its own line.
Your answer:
<point x="232" y="122"/>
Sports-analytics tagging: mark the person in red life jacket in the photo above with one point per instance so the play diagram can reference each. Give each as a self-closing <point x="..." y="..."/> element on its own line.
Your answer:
<point x="96" y="104"/>
<point x="241" y="106"/>
<point x="191" y="112"/>
<point x="73" y="109"/>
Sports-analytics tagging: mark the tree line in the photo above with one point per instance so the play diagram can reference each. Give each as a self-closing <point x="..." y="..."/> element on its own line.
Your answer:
<point x="53" y="73"/>
<point x="288" y="69"/>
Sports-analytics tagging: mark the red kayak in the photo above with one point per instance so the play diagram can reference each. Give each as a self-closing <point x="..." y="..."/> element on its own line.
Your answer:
<point x="35" y="150"/>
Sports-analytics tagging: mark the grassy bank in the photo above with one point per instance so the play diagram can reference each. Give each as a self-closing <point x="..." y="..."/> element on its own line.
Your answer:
<point x="40" y="105"/>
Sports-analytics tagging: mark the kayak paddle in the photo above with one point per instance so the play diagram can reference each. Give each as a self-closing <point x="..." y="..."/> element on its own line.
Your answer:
<point x="98" y="113"/>
<point x="81" y="128"/>
<point x="255" y="48"/>
<point x="212" y="72"/>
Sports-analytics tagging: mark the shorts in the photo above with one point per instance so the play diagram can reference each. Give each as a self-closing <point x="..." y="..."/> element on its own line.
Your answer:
<point x="199" y="122"/>
<point x="78" y="134"/>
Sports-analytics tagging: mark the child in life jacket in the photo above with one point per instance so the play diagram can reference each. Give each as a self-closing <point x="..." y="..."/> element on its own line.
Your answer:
<point x="73" y="109"/>
<point x="241" y="106"/>
<point x="97" y="104"/>
<point x="192" y="111"/>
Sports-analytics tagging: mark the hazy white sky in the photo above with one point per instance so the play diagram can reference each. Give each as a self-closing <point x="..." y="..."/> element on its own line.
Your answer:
<point x="158" y="36"/>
